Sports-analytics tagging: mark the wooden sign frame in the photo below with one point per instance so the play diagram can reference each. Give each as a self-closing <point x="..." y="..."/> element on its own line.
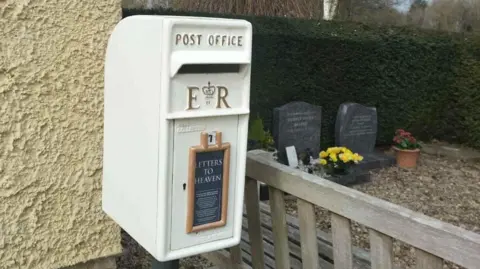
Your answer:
<point x="204" y="147"/>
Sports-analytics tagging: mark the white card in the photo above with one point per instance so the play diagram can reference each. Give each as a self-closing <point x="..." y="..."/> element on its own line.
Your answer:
<point x="212" y="138"/>
<point x="292" y="156"/>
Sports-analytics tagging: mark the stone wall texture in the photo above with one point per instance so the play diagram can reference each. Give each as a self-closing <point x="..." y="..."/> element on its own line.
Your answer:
<point x="51" y="136"/>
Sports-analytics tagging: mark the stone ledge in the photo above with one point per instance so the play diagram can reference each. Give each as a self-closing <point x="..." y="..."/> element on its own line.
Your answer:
<point x="451" y="151"/>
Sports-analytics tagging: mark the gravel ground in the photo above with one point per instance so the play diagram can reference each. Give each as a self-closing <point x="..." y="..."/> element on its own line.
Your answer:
<point x="439" y="187"/>
<point x="135" y="257"/>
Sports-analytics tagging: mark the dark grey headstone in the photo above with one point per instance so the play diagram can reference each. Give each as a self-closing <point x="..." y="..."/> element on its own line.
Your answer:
<point x="356" y="127"/>
<point x="297" y="124"/>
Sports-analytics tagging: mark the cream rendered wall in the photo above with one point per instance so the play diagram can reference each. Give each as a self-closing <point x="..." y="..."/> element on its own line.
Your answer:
<point x="51" y="116"/>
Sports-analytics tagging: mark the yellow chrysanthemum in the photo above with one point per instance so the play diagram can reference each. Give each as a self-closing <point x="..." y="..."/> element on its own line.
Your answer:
<point x="334" y="150"/>
<point x="323" y="154"/>
<point x="333" y="157"/>
<point x="323" y="161"/>
<point x="346" y="157"/>
<point x="357" y="158"/>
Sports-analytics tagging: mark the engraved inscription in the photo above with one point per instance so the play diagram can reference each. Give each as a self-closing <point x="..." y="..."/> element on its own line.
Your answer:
<point x="192" y="97"/>
<point x="188" y="39"/>
<point x="221" y="98"/>
<point x="185" y="128"/>
<point x="361" y="125"/>
<point x="210" y="92"/>
<point x="298" y="121"/>
<point x="212" y="40"/>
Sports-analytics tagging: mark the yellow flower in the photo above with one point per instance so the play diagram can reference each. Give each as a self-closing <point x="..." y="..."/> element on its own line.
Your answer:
<point x="333" y="157"/>
<point x="346" y="157"/>
<point x="333" y="150"/>
<point x="323" y="161"/>
<point x="357" y="158"/>
<point x="323" y="154"/>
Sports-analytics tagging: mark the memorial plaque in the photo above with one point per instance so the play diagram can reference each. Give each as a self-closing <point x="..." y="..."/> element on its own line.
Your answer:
<point x="297" y="124"/>
<point x="292" y="156"/>
<point x="208" y="183"/>
<point x="356" y="127"/>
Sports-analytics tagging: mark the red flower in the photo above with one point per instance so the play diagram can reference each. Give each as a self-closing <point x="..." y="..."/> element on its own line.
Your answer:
<point x="404" y="139"/>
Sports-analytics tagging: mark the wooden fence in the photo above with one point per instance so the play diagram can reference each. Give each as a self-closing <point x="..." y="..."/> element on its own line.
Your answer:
<point x="433" y="240"/>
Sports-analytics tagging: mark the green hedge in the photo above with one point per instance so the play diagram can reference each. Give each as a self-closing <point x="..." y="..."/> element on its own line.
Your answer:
<point x="424" y="81"/>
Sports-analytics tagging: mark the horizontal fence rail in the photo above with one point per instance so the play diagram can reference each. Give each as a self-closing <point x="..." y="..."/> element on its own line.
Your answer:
<point x="434" y="240"/>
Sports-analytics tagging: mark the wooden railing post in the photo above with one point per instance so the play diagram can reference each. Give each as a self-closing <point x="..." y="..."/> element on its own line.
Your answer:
<point x="381" y="250"/>
<point x="254" y="224"/>
<point x="426" y="260"/>
<point x="342" y="242"/>
<point x="308" y="234"/>
<point x="279" y="228"/>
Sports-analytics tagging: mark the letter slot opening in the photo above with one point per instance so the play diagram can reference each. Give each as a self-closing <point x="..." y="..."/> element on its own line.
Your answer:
<point x="209" y="68"/>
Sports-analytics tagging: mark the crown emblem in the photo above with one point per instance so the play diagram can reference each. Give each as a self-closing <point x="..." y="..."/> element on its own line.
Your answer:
<point x="209" y="90"/>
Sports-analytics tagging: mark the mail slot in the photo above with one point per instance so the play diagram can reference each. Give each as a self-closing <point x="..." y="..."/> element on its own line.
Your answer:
<point x="176" y="112"/>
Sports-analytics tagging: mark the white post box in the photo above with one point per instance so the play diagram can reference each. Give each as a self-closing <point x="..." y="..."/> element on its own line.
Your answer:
<point x="177" y="95"/>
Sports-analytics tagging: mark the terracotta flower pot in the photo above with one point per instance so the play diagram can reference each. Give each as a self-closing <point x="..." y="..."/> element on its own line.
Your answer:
<point x="407" y="158"/>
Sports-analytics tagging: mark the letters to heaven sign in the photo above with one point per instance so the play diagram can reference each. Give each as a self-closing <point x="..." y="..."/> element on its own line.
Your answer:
<point x="208" y="177"/>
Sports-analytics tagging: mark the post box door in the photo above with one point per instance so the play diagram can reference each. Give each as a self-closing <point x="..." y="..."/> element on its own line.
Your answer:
<point x="198" y="195"/>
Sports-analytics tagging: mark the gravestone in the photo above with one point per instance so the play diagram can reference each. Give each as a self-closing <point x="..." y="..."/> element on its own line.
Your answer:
<point x="356" y="129"/>
<point x="297" y="124"/>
